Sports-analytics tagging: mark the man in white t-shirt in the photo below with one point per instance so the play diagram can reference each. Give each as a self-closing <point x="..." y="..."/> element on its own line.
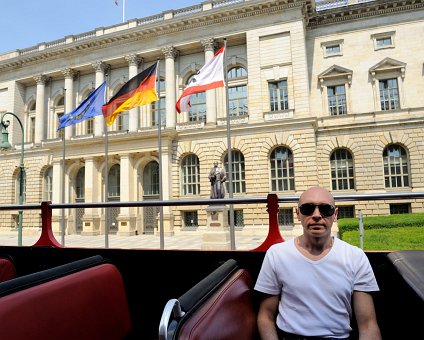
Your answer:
<point x="311" y="282"/>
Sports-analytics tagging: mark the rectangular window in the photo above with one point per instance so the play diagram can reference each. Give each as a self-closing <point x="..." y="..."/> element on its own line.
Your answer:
<point x="61" y="132"/>
<point x="347" y="211"/>
<point x="389" y="94"/>
<point x="162" y="107"/>
<point x="278" y="95"/>
<point x="238" y="218"/>
<point x="285" y="218"/>
<point x="237" y="100"/>
<point x="333" y="49"/>
<point x="90" y="126"/>
<point x="337" y="100"/>
<point x="381" y="42"/>
<point x="190" y="220"/>
<point x="32" y="129"/>
<point x="122" y="123"/>
<point x="400" y="208"/>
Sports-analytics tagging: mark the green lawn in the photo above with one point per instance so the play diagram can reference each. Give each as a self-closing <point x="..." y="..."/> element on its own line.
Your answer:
<point x="404" y="238"/>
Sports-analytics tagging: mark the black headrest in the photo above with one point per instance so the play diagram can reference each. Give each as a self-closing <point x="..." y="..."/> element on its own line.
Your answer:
<point x="410" y="265"/>
<point x="205" y="288"/>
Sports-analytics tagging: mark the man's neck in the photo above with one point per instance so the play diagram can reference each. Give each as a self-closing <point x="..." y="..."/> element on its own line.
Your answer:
<point x="314" y="247"/>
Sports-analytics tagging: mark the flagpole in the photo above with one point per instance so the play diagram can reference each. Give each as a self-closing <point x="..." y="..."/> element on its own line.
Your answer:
<point x="230" y="165"/>
<point x="161" y="229"/>
<point x="62" y="220"/>
<point x="106" y="172"/>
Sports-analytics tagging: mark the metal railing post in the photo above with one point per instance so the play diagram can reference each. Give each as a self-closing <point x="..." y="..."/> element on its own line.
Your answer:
<point x="361" y="229"/>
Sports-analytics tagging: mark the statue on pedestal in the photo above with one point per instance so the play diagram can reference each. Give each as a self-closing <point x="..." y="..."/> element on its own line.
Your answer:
<point x="217" y="178"/>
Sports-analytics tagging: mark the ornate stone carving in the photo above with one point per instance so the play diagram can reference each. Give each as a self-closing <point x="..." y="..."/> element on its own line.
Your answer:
<point x="68" y="73"/>
<point x="40" y="79"/>
<point x="133" y="59"/>
<point x="169" y="52"/>
<point x="208" y="44"/>
<point x="99" y="66"/>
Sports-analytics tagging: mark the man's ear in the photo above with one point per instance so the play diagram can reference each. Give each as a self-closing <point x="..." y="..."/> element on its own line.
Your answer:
<point x="297" y="213"/>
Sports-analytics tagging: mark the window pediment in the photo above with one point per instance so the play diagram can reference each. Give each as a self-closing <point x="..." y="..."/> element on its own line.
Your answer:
<point x="388" y="65"/>
<point x="336" y="72"/>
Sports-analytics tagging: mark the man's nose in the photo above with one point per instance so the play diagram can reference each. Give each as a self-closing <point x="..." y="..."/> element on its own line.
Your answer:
<point x="316" y="213"/>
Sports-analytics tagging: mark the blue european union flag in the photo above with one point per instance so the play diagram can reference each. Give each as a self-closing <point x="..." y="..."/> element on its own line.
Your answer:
<point x="90" y="107"/>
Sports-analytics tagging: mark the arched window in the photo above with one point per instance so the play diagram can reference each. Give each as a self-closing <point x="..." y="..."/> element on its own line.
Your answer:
<point x="197" y="110"/>
<point x="396" y="169"/>
<point x="342" y="174"/>
<point x="151" y="179"/>
<point x="282" y="169"/>
<point x="190" y="173"/>
<point x="237" y="161"/>
<point x="237" y="91"/>
<point x="48" y="184"/>
<point x="114" y="184"/>
<point x="80" y="184"/>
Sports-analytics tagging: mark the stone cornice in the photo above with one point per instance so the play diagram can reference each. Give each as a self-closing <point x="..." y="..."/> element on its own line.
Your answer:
<point x="362" y="11"/>
<point x="233" y="12"/>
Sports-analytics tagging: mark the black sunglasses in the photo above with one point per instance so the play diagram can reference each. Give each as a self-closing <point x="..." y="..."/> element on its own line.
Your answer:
<point x="326" y="210"/>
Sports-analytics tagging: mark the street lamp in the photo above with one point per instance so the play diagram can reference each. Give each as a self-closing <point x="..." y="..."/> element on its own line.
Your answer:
<point x="6" y="145"/>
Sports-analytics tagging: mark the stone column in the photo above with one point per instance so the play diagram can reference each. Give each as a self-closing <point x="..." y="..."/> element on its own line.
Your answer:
<point x="99" y="67"/>
<point x="133" y="62"/>
<point x="208" y="45"/>
<point x="127" y="217"/>
<point x="69" y="98"/>
<point x="91" y="218"/>
<point x="170" y="54"/>
<point x="40" y="114"/>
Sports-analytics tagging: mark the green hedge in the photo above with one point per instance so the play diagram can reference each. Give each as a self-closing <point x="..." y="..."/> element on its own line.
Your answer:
<point x="378" y="222"/>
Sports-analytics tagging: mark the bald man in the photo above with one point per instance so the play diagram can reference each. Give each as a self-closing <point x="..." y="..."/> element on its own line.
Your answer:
<point x="310" y="283"/>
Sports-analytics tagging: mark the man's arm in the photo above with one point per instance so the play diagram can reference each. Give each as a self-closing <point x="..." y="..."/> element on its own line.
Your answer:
<point x="266" y="317"/>
<point x="365" y="316"/>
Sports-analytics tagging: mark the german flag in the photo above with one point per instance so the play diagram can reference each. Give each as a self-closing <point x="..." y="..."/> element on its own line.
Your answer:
<point x="139" y="90"/>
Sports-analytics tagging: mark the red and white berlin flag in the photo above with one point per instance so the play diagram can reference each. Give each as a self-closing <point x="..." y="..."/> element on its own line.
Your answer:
<point x="210" y="76"/>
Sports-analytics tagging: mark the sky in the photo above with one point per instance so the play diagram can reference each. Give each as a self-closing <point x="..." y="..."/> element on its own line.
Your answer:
<point x="26" y="23"/>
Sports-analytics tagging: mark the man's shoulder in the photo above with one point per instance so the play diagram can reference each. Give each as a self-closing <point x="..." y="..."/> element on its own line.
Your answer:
<point x="348" y="247"/>
<point x="281" y="246"/>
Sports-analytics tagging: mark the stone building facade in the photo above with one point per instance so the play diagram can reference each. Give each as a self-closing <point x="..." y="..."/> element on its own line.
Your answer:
<point x="327" y="93"/>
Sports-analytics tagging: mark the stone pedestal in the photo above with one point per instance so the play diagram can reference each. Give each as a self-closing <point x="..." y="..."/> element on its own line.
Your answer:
<point x="217" y="234"/>
<point x="90" y="225"/>
<point x="126" y="225"/>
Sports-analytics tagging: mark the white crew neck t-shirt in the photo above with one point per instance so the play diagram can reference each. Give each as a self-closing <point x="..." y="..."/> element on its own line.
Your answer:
<point x="315" y="295"/>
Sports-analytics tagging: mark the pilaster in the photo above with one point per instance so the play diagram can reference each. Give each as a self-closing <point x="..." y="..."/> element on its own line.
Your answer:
<point x="69" y="97"/>
<point x="40" y="114"/>
<point x="209" y="48"/>
<point x="170" y="54"/>
<point x="100" y="69"/>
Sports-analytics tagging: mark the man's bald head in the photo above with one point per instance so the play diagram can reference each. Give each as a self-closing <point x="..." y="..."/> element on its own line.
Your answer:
<point x="316" y="195"/>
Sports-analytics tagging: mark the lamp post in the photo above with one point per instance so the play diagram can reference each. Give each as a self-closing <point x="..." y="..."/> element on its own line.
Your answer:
<point x="6" y="145"/>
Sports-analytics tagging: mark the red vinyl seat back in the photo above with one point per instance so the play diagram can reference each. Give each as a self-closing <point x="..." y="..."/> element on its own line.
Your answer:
<point x="227" y="315"/>
<point x="7" y="269"/>
<point x="89" y="304"/>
